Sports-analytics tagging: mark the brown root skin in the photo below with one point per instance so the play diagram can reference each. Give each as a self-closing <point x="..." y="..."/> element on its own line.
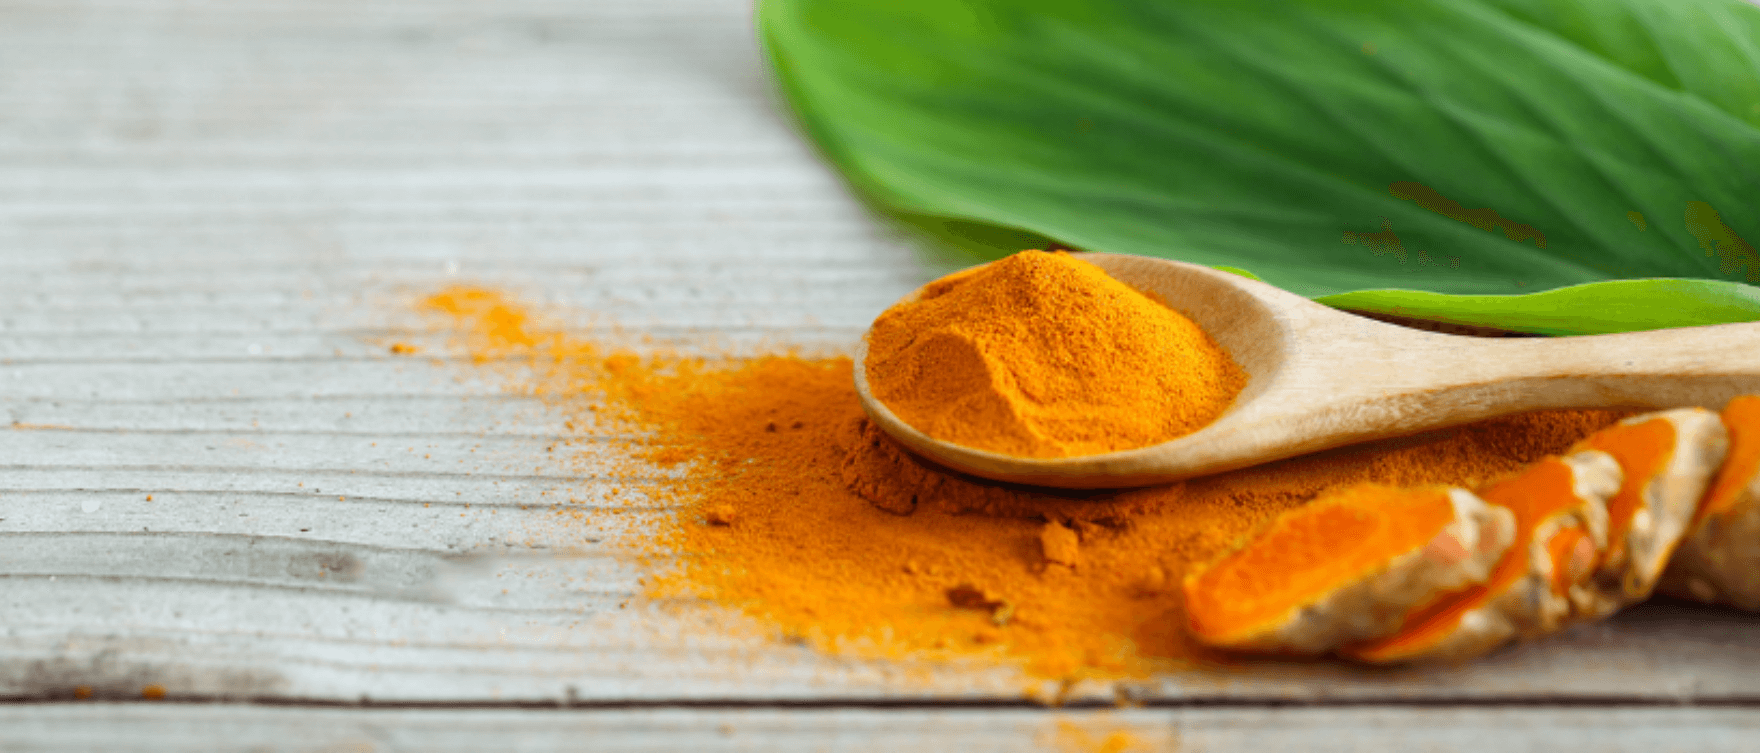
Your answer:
<point x="1372" y="607"/>
<point x="1537" y="606"/>
<point x="1669" y="500"/>
<point x="1719" y="561"/>
<point x="1534" y="606"/>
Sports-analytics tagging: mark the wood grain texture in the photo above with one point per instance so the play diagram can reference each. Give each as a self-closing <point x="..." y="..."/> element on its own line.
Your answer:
<point x="171" y="729"/>
<point x="213" y="219"/>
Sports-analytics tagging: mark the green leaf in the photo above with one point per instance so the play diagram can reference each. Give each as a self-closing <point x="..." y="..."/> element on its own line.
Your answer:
<point x="1617" y="306"/>
<point x="1452" y="156"/>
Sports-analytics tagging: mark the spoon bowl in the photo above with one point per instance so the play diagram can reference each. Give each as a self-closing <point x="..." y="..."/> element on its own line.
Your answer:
<point x="1319" y="378"/>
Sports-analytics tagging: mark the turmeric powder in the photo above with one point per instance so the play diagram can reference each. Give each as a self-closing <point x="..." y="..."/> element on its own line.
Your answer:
<point x="1044" y="355"/>
<point x="787" y="504"/>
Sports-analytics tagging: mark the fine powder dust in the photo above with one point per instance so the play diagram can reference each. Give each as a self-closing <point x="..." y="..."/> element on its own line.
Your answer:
<point x="791" y="507"/>
<point x="1044" y="355"/>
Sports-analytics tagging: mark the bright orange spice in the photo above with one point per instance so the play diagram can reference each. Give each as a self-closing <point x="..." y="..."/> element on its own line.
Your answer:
<point x="793" y="508"/>
<point x="1044" y="355"/>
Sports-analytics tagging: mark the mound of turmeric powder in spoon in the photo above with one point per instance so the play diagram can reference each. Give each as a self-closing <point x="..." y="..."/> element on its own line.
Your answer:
<point x="1044" y="355"/>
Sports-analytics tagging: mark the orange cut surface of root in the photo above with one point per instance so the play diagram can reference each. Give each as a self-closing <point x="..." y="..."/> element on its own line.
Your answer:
<point x="1572" y="553"/>
<point x="1308" y="553"/>
<point x="1541" y="491"/>
<point x="1643" y="449"/>
<point x="1742" y="418"/>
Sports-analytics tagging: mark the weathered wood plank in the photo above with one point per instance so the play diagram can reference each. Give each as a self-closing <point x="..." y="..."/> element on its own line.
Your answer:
<point x="213" y="219"/>
<point x="410" y="416"/>
<point x="168" y="729"/>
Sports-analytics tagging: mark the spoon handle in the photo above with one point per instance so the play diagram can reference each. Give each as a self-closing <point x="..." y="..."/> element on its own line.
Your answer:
<point x="1704" y="366"/>
<point x="1402" y="381"/>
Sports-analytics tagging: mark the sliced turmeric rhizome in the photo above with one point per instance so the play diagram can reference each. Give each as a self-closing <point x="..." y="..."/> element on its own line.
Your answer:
<point x="1592" y="532"/>
<point x="1668" y="459"/>
<point x="1560" y="529"/>
<point x="1347" y="567"/>
<point x="1719" y="561"/>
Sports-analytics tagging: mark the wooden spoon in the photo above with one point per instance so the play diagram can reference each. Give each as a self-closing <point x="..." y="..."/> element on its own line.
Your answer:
<point x="1320" y="378"/>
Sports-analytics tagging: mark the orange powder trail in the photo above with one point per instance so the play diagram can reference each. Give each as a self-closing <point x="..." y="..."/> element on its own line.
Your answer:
<point x="799" y="512"/>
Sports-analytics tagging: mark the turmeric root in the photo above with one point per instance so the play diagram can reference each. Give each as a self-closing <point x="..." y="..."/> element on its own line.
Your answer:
<point x="1346" y="568"/>
<point x="1719" y="561"/>
<point x="1560" y="529"/>
<point x="1586" y="534"/>
<point x="1668" y="459"/>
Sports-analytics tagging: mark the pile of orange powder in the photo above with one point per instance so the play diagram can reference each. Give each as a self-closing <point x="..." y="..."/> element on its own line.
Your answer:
<point x="1043" y="355"/>
<point x="790" y="506"/>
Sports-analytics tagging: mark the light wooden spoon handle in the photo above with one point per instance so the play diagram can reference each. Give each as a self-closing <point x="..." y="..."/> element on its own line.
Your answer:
<point x="1345" y="381"/>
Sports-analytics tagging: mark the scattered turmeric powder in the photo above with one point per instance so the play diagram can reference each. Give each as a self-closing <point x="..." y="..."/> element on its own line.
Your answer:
<point x="1044" y="355"/>
<point x="1077" y="738"/>
<point x="1059" y="544"/>
<point x="836" y="536"/>
<point x="497" y="325"/>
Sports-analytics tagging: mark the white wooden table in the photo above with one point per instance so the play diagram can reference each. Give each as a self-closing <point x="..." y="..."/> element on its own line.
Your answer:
<point x="213" y="217"/>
